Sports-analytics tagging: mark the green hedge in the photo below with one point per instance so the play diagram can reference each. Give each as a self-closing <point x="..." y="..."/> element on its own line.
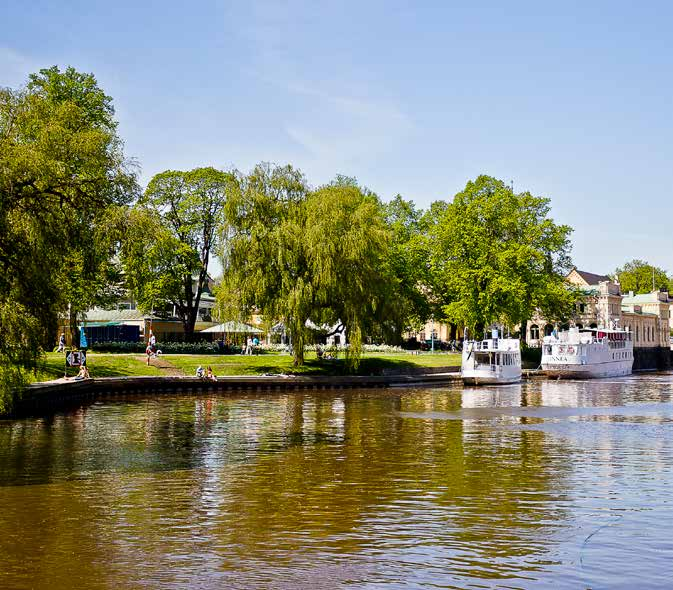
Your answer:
<point x="165" y="347"/>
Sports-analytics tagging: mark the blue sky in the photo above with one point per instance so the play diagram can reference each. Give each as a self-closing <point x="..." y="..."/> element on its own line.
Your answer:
<point x="572" y="101"/>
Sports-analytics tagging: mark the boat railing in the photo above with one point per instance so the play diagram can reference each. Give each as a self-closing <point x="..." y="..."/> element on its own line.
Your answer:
<point x="500" y="345"/>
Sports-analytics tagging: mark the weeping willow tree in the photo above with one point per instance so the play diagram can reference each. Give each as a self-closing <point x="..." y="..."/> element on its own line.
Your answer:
<point x="347" y="242"/>
<point x="264" y="264"/>
<point x="299" y="255"/>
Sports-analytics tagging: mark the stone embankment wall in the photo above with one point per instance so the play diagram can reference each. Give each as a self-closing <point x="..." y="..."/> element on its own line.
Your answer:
<point x="46" y="397"/>
<point x="654" y="358"/>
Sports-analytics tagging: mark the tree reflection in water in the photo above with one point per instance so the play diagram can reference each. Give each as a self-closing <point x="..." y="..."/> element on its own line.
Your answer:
<point x="298" y="489"/>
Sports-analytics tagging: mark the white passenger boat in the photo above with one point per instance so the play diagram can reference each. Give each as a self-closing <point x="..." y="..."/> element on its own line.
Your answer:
<point x="588" y="353"/>
<point x="491" y="361"/>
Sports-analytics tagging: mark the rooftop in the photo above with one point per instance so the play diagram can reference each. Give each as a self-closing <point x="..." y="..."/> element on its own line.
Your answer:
<point x="114" y="315"/>
<point x="654" y="297"/>
<point x="591" y="278"/>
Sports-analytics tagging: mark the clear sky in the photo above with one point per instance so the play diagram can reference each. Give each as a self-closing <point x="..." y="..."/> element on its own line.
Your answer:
<point x="572" y="101"/>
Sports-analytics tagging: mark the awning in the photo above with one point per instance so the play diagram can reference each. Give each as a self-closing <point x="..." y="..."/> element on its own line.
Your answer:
<point x="232" y="328"/>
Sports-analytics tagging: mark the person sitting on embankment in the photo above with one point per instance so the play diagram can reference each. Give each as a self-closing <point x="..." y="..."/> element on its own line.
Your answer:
<point x="83" y="373"/>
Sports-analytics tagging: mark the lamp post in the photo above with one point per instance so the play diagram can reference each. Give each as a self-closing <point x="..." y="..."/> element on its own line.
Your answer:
<point x="432" y="334"/>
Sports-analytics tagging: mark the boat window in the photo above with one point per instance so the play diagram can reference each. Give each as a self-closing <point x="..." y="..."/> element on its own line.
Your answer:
<point x="482" y="358"/>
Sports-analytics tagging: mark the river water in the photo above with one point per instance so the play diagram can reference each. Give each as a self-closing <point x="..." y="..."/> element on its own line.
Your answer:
<point x="559" y="484"/>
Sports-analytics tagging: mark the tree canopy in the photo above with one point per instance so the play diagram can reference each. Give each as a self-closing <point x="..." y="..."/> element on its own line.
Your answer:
<point x="61" y="167"/>
<point x="408" y="261"/>
<point x="641" y="277"/>
<point x="301" y="255"/>
<point x="171" y="233"/>
<point x="497" y="256"/>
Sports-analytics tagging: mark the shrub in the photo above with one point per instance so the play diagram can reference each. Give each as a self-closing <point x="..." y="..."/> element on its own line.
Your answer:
<point x="165" y="347"/>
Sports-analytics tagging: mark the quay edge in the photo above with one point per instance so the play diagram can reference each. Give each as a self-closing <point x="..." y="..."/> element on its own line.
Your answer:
<point x="48" y="396"/>
<point x="52" y="395"/>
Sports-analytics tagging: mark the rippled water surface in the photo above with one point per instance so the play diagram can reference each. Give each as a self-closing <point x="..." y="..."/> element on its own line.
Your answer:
<point x="552" y="484"/>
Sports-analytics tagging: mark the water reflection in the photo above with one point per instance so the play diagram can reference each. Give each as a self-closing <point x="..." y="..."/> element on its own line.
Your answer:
<point x="495" y="487"/>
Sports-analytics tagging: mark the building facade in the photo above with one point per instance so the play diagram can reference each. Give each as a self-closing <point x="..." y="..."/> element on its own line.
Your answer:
<point x="602" y="304"/>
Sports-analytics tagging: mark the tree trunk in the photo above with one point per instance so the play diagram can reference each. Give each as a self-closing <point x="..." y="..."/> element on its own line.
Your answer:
<point x="74" y="331"/>
<point x="523" y="336"/>
<point x="297" y="336"/>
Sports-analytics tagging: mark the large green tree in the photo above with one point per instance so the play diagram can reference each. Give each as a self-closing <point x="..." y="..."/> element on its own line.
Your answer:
<point x="497" y="256"/>
<point x="347" y="245"/>
<point x="265" y="265"/>
<point x="299" y="255"/>
<point x="641" y="277"/>
<point x="61" y="167"/>
<point x="408" y="261"/>
<point x="171" y="233"/>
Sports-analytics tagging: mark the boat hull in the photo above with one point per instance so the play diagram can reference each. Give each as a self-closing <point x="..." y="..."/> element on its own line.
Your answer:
<point x="489" y="378"/>
<point x="589" y="370"/>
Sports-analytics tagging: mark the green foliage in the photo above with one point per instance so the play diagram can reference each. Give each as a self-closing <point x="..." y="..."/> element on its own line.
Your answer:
<point x="264" y="261"/>
<point x="346" y="241"/>
<point x="531" y="356"/>
<point x="300" y="255"/>
<point x="202" y="347"/>
<point x="638" y="276"/>
<point x="169" y="237"/>
<point x="497" y="256"/>
<point x="408" y="262"/>
<point x="61" y="168"/>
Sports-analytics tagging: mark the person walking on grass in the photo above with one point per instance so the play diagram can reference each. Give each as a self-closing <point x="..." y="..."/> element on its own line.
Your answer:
<point x="61" y="343"/>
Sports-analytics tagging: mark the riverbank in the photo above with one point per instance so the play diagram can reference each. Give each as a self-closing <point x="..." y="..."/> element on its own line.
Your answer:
<point x="103" y="367"/>
<point x="53" y="395"/>
<point x="134" y="365"/>
<point x="61" y="393"/>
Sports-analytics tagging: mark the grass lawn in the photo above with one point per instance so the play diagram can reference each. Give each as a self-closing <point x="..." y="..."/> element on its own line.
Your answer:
<point x="372" y="363"/>
<point x="100" y="364"/>
<point x="117" y="365"/>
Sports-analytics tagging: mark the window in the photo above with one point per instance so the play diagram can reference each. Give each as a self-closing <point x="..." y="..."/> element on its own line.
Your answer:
<point x="482" y="358"/>
<point x="581" y="307"/>
<point x="535" y="332"/>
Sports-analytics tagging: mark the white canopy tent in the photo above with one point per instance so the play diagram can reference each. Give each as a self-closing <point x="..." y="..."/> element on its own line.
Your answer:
<point x="232" y="327"/>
